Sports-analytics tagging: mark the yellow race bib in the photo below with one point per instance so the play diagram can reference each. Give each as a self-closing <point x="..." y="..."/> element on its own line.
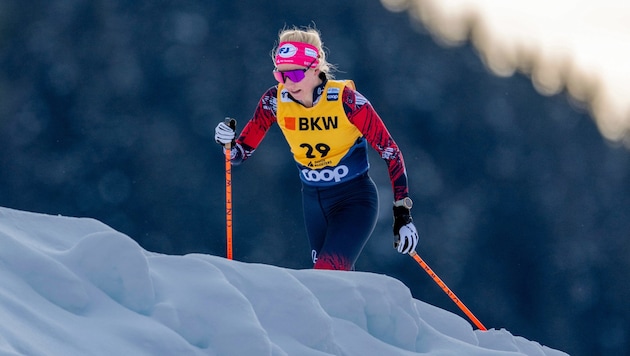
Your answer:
<point x="319" y="136"/>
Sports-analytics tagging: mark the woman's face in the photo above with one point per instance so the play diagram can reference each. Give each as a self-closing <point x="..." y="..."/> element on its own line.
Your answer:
<point x="302" y="90"/>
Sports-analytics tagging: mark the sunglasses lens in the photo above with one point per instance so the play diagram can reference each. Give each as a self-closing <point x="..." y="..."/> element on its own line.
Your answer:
<point x="279" y="77"/>
<point x="295" y="75"/>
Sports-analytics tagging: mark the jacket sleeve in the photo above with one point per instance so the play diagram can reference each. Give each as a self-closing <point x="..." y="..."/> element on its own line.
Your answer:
<point x="364" y="117"/>
<point x="257" y="127"/>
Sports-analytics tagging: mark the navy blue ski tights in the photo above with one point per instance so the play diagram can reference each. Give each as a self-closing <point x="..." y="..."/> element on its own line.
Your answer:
<point x="339" y="221"/>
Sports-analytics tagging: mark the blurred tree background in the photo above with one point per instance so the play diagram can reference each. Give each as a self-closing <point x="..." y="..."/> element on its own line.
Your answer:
<point x="108" y="109"/>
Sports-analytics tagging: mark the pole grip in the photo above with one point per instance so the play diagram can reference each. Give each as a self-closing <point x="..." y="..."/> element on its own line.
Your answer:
<point x="232" y="124"/>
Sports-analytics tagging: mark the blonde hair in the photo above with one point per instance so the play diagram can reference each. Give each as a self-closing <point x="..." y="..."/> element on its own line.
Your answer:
<point x="308" y="35"/>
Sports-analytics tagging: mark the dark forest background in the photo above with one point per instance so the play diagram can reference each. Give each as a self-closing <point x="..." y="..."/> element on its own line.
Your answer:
<point x="108" y="109"/>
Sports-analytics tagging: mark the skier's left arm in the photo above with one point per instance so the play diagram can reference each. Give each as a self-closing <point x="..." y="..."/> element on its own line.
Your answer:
<point x="366" y="119"/>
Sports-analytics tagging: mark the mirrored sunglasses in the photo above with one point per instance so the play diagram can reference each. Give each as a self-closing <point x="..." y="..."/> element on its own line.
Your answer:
<point x="296" y="75"/>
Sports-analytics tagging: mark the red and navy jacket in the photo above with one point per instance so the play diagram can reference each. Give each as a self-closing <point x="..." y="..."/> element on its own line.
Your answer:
<point x="328" y="140"/>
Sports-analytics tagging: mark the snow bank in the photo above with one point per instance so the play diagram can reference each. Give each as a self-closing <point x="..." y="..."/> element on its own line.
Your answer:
<point x="74" y="286"/>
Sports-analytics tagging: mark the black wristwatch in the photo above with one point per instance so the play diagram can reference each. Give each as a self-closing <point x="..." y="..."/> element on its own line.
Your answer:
<point x="406" y="202"/>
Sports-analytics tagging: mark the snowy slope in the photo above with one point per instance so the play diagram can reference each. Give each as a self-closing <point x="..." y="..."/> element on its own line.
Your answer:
<point x="74" y="286"/>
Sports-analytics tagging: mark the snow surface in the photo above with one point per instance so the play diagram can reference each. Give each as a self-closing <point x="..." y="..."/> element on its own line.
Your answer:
<point x="74" y="286"/>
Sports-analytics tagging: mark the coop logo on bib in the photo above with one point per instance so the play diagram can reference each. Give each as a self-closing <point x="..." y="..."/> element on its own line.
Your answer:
<point x="325" y="175"/>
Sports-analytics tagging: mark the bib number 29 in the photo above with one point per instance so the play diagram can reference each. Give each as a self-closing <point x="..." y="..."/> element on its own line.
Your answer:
<point x="322" y="148"/>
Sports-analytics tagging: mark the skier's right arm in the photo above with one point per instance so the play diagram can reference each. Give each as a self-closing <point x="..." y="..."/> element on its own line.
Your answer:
<point x="253" y="132"/>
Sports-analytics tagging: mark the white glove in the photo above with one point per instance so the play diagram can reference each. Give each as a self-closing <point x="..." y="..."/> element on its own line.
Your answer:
<point x="406" y="239"/>
<point x="224" y="134"/>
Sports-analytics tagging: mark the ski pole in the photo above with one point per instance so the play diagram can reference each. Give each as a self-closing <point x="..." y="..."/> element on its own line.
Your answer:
<point x="447" y="290"/>
<point x="228" y="190"/>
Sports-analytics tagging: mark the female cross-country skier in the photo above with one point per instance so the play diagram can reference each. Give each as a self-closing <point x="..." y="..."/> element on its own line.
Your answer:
<point x="328" y="125"/>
